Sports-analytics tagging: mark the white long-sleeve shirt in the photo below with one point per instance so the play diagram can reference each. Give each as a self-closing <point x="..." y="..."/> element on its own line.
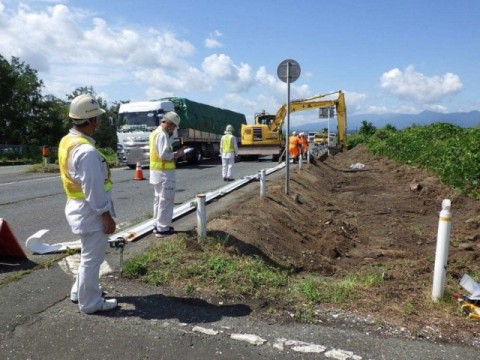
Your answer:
<point x="163" y="143"/>
<point x="88" y="168"/>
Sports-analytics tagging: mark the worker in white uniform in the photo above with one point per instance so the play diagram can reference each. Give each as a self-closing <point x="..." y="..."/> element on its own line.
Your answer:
<point x="89" y="210"/>
<point x="162" y="173"/>
<point x="229" y="151"/>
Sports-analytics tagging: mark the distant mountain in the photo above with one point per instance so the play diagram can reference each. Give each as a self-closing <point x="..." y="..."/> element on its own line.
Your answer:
<point x="464" y="119"/>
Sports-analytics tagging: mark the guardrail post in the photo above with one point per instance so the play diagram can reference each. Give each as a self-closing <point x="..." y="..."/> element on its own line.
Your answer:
<point x="201" y="217"/>
<point x="263" y="184"/>
<point x="441" y="254"/>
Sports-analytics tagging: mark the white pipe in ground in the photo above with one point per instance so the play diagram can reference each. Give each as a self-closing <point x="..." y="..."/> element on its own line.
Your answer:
<point x="441" y="255"/>
<point x="201" y="216"/>
<point x="263" y="184"/>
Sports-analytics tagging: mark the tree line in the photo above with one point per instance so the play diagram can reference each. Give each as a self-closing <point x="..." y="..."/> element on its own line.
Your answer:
<point x="29" y="118"/>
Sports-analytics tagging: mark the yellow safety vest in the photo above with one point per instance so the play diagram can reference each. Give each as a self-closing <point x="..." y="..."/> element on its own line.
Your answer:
<point x="156" y="163"/>
<point x="72" y="188"/>
<point x="227" y="143"/>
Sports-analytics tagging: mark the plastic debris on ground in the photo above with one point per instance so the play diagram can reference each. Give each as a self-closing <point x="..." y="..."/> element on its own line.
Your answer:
<point x="358" y="166"/>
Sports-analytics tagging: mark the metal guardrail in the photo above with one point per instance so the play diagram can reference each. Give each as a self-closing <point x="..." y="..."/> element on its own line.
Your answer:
<point x="145" y="227"/>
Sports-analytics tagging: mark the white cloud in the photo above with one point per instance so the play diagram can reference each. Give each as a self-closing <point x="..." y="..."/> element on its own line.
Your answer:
<point x="84" y="49"/>
<point x="375" y="109"/>
<point x="163" y="83"/>
<point x="414" y="86"/>
<point x="220" y="67"/>
<point x="213" y="40"/>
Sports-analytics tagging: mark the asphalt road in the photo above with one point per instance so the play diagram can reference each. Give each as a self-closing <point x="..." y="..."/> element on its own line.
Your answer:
<point x="37" y="320"/>
<point x="30" y="202"/>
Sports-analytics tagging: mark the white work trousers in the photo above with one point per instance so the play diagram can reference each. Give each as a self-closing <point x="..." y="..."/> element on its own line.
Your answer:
<point x="163" y="203"/>
<point x="86" y="286"/>
<point x="227" y="166"/>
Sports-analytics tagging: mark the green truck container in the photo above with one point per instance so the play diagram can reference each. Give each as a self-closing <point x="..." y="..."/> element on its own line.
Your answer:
<point x="202" y="126"/>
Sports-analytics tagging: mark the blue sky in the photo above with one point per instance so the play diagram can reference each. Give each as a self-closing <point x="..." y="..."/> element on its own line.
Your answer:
<point x="387" y="56"/>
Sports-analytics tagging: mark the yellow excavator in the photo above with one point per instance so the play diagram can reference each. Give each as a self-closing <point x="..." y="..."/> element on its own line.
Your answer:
<point x="265" y="136"/>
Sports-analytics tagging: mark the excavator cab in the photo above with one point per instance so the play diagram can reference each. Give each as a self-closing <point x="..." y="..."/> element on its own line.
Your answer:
<point x="264" y="119"/>
<point x="264" y="132"/>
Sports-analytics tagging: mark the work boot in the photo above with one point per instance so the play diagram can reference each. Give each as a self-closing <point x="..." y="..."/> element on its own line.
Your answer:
<point x="108" y="304"/>
<point x="161" y="234"/>
<point x="155" y="230"/>
<point x="74" y="296"/>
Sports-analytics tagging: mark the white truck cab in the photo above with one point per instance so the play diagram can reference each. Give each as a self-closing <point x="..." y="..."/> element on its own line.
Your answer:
<point x="137" y="120"/>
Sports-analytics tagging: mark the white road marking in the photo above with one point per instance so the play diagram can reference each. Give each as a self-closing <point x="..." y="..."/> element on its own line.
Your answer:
<point x="205" y="330"/>
<point x="250" y="338"/>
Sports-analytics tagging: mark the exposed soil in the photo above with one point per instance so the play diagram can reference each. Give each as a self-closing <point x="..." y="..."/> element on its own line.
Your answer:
<point x="337" y="221"/>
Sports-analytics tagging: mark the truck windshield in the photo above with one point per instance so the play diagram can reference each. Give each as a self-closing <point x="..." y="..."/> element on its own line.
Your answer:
<point x="149" y="119"/>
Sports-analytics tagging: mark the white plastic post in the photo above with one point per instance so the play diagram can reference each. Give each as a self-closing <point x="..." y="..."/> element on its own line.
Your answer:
<point x="263" y="184"/>
<point x="201" y="216"/>
<point x="308" y="156"/>
<point x="300" y="161"/>
<point x="441" y="255"/>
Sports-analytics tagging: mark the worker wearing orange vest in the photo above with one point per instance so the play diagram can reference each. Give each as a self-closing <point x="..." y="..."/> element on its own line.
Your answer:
<point x="229" y="151"/>
<point x="162" y="173"/>
<point x="304" y="144"/>
<point x="294" y="146"/>
<point x="89" y="209"/>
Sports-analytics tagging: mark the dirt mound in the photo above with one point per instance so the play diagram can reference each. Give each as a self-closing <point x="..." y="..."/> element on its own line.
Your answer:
<point x="338" y="220"/>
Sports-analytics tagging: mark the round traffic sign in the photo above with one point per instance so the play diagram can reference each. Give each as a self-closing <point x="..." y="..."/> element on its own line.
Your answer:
<point x="288" y="70"/>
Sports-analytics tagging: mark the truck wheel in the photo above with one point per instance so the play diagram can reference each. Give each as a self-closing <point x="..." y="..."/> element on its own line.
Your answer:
<point x="198" y="155"/>
<point x="195" y="157"/>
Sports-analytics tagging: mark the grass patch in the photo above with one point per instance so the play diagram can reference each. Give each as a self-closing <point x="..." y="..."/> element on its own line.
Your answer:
<point x="170" y="264"/>
<point x="319" y="289"/>
<point x="42" y="168"/>
<point x="212" y="269"/>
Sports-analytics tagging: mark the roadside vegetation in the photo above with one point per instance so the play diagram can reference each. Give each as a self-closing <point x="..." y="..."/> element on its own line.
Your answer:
<point x="451" y="152"/>
<point x="208" y="267"/>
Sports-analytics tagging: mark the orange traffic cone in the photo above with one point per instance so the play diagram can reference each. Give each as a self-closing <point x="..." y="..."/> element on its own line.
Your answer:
<point x="138" y="172"/>
<point x="9" y="246"/>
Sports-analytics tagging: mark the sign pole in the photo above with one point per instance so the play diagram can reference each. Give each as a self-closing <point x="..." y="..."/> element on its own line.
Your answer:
<point x="288" y="71"/>
<point x="287" y="153"/>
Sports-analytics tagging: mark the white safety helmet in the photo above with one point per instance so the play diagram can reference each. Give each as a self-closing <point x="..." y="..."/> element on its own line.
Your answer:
<point x="84" y="107"/>
<point x="172" y="117"/>
<point x="294" y="133"/>
<point x="229" y="128"/>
